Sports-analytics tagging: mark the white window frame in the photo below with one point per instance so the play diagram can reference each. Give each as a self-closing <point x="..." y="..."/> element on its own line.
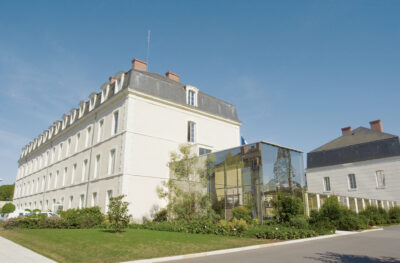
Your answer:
<point x="77" y="139"/>
<point x="191" y="132"/>
<point x="100" y="130"/>
<point x="60" y="152"/>
<point x="84" y="170"/>
<point x="115" y="122"/>
<point x="383" y="181"/>
<point x="191" y="100"/>
<point x="64" y="176"/>
<point x="325" y="185"/>
<point x="81" y="201"/>
<point x="350" y="183"/>
<point x="109" y="194"/>
<point x="88" y="134"/>
<point x="112" y="162"/>
<point x="97" y="160"/>
<point x="94" y="199"/>
<point x="74" y="166"/>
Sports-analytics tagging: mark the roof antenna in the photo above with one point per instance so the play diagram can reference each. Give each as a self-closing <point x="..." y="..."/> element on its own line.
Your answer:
<point x="148" y="49"/>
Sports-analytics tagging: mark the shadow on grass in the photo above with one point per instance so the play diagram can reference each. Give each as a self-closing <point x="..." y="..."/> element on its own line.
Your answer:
<point x="112" y="231"/>
<point x="330" y="257"/>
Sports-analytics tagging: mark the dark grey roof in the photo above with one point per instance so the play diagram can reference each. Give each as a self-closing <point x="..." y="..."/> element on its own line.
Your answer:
<point x="357" y="136"/>
<point x="361" y="144"/>
<point x="162" y="87"/>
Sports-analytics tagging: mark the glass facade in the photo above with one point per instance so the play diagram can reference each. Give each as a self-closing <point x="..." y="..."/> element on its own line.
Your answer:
<point x="252" y="175"/>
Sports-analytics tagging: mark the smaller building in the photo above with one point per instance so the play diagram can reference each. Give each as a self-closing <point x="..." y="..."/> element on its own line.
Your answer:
<point x="363" y="164"/>
<point x="251" y="175"/>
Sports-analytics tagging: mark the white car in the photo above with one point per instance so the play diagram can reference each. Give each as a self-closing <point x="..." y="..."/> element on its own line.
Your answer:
<point x="49" y="214"/>
<point x="16" y="214"/>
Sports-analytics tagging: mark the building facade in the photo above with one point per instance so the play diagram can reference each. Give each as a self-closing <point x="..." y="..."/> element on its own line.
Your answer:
<point x="363" y="164"/>
<point x="119" y="141"/>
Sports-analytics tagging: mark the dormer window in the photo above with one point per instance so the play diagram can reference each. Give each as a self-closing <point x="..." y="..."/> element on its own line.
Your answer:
<point x="92" y="103"/>
<point x="191" y="96"/>
<point x="104" y="92"/>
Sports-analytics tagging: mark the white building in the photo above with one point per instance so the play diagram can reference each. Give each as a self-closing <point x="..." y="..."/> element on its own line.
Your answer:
<point x="119" y="142"/>
<point x="363" y="164"/>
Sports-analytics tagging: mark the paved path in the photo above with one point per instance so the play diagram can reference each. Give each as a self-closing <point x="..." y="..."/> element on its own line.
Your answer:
<point x="11" y="252"/>
<point x="369" y="247"/>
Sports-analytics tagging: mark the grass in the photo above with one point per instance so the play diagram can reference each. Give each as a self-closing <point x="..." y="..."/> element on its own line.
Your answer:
<point x="96" y="245"/>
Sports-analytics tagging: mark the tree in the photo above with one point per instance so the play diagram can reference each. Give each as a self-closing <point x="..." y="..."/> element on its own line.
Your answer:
<point x="6" y="192"/>
<point x="8" y="208"/>
<point x="185" y="190"/>
<point x="118" y="213"/>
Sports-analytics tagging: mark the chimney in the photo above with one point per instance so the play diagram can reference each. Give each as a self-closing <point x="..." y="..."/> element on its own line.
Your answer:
<point x="376" y="125"/>
<point x="346" y="130"/>
<point x="173" y="76"/>
<point x="139" y="64"/>
<point x="111" y="79"/>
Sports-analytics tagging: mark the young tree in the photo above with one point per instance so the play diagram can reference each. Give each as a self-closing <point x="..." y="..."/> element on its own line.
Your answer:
<point x="118" y="213"/>
<point x="8" y="208"/>
<point x="186" y="188"/>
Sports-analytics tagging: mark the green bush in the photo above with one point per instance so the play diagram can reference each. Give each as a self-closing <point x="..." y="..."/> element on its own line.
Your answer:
<point x="332" y="209"/>
<point x="299" y="222"/>
<point x="350" y="221"/>
<point x="320" y="224"/>
<point x="394" y="213"/>
<point x="161" y="216"/>
<point x="242" y="212"/>
<point x="35" y="222"/>
<point x="83" y="218"/>
<point x="278" y="232"/>
<point x="287" y="206"/>
<point x="376" y="216"/>
<point x="8" y="208"/>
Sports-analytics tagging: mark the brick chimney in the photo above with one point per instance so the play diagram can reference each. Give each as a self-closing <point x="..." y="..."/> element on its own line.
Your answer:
<point x="173" y="76"/>
<point x="139" y="64"/>
<point x="111" y="79"/>
<point x="346" y="130"/>
<point x="376" y="125"/>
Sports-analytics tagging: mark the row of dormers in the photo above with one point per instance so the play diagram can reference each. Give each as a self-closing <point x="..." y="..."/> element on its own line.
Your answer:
<point x="108" y="89"/>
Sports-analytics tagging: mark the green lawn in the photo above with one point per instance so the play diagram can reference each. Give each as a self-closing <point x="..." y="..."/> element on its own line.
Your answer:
<point x="95" y="245"/>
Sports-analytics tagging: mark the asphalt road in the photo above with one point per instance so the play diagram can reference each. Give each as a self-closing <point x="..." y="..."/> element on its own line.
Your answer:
<point x="370" y="247"/>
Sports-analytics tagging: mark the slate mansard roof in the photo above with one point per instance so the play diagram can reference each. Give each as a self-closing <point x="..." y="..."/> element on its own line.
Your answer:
<point x="148" y="83"/>
<point x="361" y="144"/>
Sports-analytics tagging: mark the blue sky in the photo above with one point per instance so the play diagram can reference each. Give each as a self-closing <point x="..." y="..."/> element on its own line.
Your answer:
<point x="297" y="71"/>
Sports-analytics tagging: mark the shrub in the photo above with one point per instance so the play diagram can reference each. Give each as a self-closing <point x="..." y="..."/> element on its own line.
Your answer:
<point x="351" y="221"/>
<point x="332" y="209"/>
<point x="8" y="208"/>
<point x="118" y="213"/>
<point x="83" y="218"/>
<point x="278" y="232"/>
<point x="394" y="213"/>
<point x="299" y="222"/>
<point x="242" y="212"/>
<point x="161" y="216"/>
<point x="287" y="206"/>
<point x="35" y="221"/>
<point x="376" y="216"/>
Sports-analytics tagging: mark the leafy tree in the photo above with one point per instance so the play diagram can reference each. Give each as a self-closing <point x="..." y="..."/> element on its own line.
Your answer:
<point x="118" y="213"/>
<point x="8" y="208"/>
<point x="6" y="192"/>
<point x="185" y="189"/>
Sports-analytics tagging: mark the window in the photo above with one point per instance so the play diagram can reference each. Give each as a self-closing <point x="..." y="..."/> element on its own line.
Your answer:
<point x="33" y="186"/>
<point x="43" y="183"/>
<point x="100" y="131"/>
<point x="64" y="176"/>
<point x="97" y="167"/>
<point x="48" y="182"/>
<point x="60" y="152"/>
<point x="191" y="131"/>
<point x="68" y="146"/>
<point x="71" y="200"/>
<point x="115" y="122"/>
<point x="84" y="166"/>
<point x="81" y="201"/>
<point x="47" y="205"/>
<point x="47" y="158"/>
<point x="191" y="97"/>
<point x="53" y="156"/>
<point x="380" y="179"/>
<point x="327" y="184"/>
<point x="352" y="181"/>
<point x="37" y="185"/>
<point x="203" y="151"/>
<point x="108" y="196"/>
<point x="111" y="167"/>
<point x="78" y="137"/>
<point x="94" y="199"/>
<point x="56" y="179"/>
<point x="88" y="133"/>
<point x="73" y="173"/>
